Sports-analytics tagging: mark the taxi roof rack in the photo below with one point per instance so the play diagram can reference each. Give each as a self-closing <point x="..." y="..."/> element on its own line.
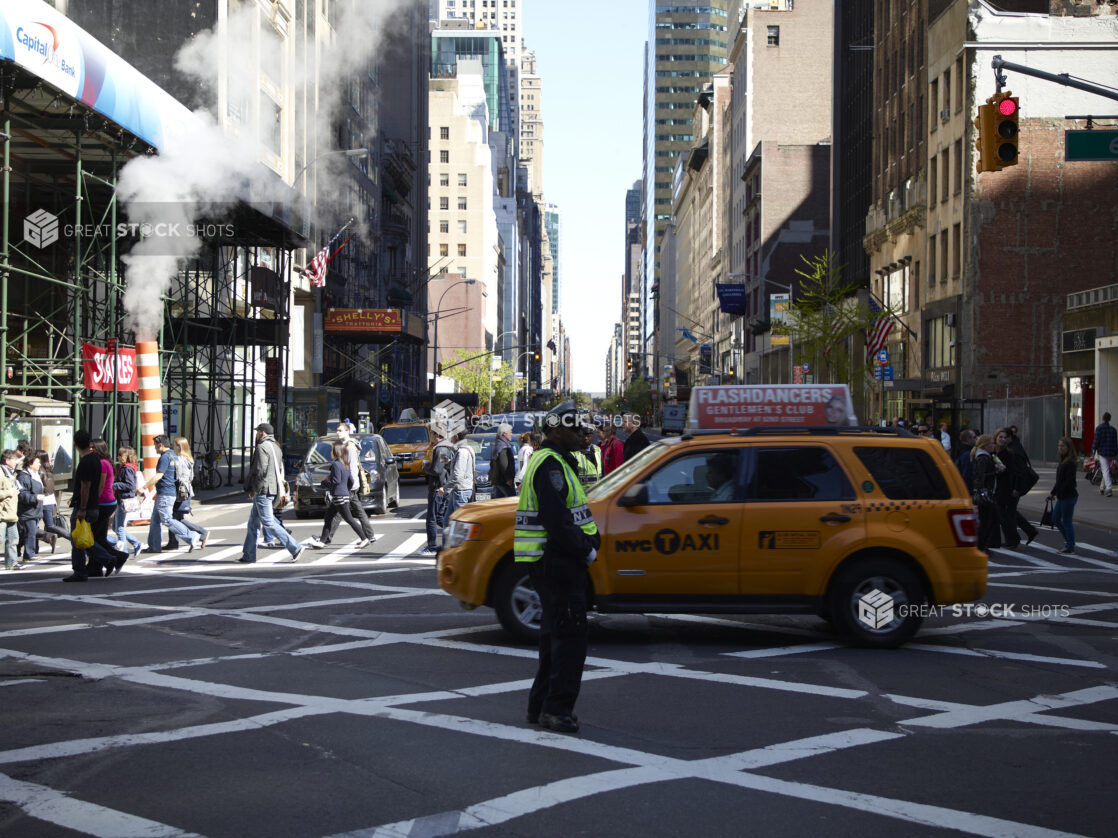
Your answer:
<point x="814" y="430"/>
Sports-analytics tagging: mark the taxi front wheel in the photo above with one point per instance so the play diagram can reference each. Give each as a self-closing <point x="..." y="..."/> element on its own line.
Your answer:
<point x="875" y="602"/>
<point x="517" y="603"/>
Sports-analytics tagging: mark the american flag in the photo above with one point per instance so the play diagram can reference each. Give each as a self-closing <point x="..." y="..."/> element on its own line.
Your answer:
<point x="316" y="271"/>
<point x="879" y="331"/>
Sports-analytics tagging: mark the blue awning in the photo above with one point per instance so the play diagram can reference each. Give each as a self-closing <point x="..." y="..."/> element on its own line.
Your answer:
<point x="51" y="46"/>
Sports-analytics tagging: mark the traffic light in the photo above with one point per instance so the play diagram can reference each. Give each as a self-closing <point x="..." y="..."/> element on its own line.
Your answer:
<point x="439" y="368"/>
<point x="536" y="356"/>
<point x="997" y="124"/>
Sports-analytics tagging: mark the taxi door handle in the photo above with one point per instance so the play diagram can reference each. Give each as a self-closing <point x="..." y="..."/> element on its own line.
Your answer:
<point x="714" y="519"/>
<point x="835" y="519"/>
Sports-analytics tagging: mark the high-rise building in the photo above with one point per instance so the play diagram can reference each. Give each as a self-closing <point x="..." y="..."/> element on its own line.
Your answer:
<point x="464" y="233"/>
<point x="531" y="122"/>
<point x="687" y="44"/>
<point x="506" y="21"/>
<point x="551" y="221"/>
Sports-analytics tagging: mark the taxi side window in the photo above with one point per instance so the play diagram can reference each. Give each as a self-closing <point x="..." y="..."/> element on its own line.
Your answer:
<point x="905" y="473"/>
<point x="796" y="473"/>
<point x="697" y="477"/>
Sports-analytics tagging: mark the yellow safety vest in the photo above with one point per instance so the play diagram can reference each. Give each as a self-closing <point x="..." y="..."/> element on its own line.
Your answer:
<point x="529" y="537"/>
<point x="589" y="470"/>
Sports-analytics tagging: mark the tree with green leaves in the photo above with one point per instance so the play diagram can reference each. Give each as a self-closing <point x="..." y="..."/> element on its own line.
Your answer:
<point x="473" y="372"/>
<point x="824" y="316"/>
<point x="637" y="398"/>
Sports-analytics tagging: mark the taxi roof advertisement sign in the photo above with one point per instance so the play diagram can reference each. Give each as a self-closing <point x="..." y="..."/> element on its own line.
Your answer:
<point x="724" y="408"/>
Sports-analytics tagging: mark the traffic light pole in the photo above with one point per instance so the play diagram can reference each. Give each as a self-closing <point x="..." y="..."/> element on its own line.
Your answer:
<point x="999" y="64"/>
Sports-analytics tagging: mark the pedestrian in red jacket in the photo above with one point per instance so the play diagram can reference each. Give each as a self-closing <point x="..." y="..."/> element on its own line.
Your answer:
<point x="612" y="449"/>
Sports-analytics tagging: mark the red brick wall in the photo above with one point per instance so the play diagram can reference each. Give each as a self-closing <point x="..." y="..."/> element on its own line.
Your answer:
<point x="1037" y="232"/>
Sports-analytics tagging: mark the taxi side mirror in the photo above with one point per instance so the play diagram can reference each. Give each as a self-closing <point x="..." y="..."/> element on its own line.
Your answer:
<point x="635" y="495"/>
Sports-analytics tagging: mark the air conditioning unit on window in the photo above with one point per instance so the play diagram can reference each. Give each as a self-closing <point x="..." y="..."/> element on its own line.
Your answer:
<point x="945" y="114"/>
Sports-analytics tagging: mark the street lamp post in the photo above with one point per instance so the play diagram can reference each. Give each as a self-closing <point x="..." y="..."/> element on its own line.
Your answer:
<point x="435" y="342"/>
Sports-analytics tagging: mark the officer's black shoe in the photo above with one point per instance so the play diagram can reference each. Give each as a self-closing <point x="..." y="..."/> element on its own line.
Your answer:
<point x="560" y="724"/>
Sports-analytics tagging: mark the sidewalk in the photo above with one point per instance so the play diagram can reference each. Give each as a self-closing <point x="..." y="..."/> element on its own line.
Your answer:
<point x="1092" y="509"/>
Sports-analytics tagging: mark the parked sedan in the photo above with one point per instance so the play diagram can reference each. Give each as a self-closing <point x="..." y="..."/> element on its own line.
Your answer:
<point x="376" y="460"/>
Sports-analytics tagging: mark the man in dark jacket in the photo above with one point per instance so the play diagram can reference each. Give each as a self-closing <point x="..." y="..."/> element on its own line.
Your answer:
<point x="438" y="502"/>
<point x="1105" y="449"/>
<point x="636" y="441"/>
<point x="264" y="485"/>
<point x="502" y="465"/>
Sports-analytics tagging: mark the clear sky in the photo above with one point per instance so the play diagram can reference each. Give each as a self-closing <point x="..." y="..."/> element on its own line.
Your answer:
<point x="589" y="56"/>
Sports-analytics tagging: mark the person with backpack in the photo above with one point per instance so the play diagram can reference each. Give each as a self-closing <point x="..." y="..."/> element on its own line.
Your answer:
<point x="338" y="485"/>
<point x="461" y="487"/>
<point x="359" y="483"/>
<point x="437" y="470"/>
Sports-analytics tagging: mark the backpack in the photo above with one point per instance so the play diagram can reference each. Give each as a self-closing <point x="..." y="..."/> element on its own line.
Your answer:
<point x="438" y="467"/>
<point x="365" y="486"/>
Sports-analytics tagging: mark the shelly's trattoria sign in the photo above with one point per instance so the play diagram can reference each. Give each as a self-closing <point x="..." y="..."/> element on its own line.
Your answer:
<point x="101" y="366"/>
<point x="363" y="321"/>
<point x="748" y="405"/>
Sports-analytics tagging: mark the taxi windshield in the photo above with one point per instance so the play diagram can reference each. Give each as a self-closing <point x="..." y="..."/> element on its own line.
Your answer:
<point x="404" y="435"/>
<point x="622" y="473"/>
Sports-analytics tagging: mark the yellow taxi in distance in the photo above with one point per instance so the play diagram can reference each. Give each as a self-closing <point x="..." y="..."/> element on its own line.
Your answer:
<point x="866" y="527"/>
<point x="410" y="443"/>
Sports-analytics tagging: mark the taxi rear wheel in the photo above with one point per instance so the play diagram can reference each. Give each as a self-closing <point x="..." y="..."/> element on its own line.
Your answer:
<point x="875" y="602"/>
<point x="517" y="604"/>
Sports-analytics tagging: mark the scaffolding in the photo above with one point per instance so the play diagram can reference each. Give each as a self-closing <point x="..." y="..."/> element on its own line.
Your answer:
<point x="224" y="336"/>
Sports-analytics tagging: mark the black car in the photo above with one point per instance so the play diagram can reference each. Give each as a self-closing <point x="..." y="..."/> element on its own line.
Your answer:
<point x="376" y="460"/>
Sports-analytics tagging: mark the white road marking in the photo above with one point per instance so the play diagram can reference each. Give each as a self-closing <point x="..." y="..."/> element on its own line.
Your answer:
<point x="994" y="653"/>
<point x="779" y="651"/>
<point x="55" y="807"/>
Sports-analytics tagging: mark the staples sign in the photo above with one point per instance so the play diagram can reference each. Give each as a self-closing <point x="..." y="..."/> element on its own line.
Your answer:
<point x="102" y="368"/>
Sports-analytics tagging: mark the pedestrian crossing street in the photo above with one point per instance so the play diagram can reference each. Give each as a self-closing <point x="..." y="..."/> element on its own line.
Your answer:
<point x="399" y="541"/>
<point x="1039" y="557"/>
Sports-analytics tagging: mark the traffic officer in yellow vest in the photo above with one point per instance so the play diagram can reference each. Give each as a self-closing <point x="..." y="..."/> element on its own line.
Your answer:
<point x="556" y="534"/>
<point x="589" y="458"/>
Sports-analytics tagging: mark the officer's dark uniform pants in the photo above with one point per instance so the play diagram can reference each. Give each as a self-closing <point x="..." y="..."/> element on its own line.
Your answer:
<point x="562" y="587"/>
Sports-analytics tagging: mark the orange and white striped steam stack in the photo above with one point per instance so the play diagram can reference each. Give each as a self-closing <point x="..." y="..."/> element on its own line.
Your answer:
<point x="151" y="402"/>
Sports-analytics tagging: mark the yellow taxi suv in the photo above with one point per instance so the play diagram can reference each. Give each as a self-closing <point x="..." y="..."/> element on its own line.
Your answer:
<point x="410" y="443"/>
<point x="865" y="527"/>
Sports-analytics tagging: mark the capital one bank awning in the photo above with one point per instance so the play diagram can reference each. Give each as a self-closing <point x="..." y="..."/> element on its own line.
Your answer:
<point x="49" y="45"/>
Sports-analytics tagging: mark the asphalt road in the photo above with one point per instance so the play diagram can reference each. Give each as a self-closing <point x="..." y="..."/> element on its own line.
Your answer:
<point x="348" y="696"/>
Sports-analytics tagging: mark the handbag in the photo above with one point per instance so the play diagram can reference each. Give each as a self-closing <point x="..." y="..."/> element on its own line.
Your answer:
<point x="182" y="492"/>
<point x="1028" y="479"/>
<point x="983" y="498"/>
<point x="1046" y="516"/>
<point x="130" y="504"/>
<point x="82" y="535"/>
